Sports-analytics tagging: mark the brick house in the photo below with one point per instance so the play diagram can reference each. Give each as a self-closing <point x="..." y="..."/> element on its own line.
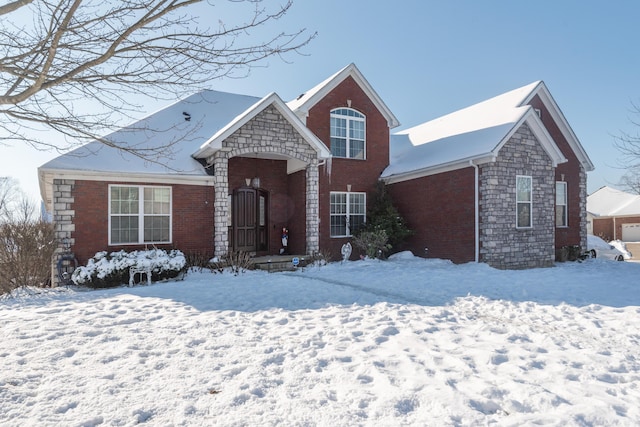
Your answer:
<point x="227" y="172"/>
<point x="502" y="182"/>
<point x="614" y="214"/>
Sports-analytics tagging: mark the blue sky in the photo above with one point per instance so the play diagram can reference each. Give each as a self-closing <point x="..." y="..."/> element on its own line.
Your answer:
<point x="428" y="58"/>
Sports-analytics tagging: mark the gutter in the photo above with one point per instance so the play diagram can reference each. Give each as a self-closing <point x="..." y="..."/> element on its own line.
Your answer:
<point x="477" y="210"/>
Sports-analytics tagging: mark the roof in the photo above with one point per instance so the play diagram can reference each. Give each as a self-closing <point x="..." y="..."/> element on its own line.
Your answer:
<point x="214" y="142"/>
<point x="609" y="202"/>
<point x="474" y="134"/>
<point x="307" y="100"/>
<point x="167" y="131"/>
<point x="171" y="140"/>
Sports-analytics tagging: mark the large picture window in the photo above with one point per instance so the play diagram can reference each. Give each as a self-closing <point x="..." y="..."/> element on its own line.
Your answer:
<point x="524" y="201"/>
<point x="347" y="133"/>
<point x="561" y="204"/>
<point x="139" y="214"/>
<point x="348" y="213"/>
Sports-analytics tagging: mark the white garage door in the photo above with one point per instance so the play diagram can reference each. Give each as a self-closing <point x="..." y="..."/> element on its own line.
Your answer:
<point x="631" y="232"/>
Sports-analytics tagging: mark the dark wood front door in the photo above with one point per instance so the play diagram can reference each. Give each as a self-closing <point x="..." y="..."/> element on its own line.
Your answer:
<point x="250" y="219"/>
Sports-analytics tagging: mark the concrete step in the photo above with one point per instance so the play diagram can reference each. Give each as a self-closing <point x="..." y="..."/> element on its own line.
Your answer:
<point x="277" y="263"/>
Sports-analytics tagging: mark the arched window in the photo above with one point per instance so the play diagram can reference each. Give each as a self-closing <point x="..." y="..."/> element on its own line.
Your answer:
<point x="348" y="133"/>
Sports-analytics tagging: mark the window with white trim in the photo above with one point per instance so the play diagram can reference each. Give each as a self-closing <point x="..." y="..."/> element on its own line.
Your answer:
<point x="561" y="204"/>
<point x="348" y="213"/>
<point x="347" y="133"/>
<point x="139" y="214"/>
<point x="524" y="201"/>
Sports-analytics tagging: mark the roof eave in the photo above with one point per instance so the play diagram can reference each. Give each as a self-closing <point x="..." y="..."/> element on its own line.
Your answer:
<point x="543" y="92"/>
<point x="215" y="142"/>
<point x="441" y="168"/>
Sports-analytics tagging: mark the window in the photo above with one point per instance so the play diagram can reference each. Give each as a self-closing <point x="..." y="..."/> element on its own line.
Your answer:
<point x="523" y="201"/>
<point x="561" y="204"/>
<point x="347" y="133"/>
<point x="139" y="214"/>
<point x="348" y="213"/>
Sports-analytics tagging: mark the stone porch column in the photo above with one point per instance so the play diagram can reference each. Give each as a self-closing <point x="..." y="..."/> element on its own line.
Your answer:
<point x="312" y="205"/>
<point x="221" y="204"/>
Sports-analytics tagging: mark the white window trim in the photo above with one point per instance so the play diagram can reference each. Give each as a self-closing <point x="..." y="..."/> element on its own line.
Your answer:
<point x="141" y="215"/>
<point x="530" y="202"/>
<point x="566" y="204"/>
<point x="347" y="214"/>
<point x="349" y="119"/>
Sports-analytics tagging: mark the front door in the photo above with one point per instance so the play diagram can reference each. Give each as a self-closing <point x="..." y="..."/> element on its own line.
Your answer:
<point x="249" y="225"/>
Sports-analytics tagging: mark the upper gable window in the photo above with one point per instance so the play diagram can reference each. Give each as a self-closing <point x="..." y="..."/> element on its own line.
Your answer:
<point x="347" y="133"/>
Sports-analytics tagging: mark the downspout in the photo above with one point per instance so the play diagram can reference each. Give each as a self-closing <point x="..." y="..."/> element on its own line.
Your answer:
<point x="477" y="210"/>
<point x="615" y="228"/>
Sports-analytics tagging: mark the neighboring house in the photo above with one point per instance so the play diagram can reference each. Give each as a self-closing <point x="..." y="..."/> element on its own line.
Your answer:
<point x="234" y="170"/>
<point x="614" y="215"/>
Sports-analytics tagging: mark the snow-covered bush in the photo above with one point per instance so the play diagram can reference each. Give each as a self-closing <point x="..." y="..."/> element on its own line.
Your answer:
<point x="375" y="244"/>
<point x="107" y="270"/>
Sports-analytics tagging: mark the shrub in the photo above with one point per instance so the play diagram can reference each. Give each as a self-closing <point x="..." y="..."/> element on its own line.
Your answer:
<point x="26" y="250"/>
<point x="236" y="262"/>
<point x="375" y="243"/>
<point x="384" y="229"/>
<point x="107" y="270"/>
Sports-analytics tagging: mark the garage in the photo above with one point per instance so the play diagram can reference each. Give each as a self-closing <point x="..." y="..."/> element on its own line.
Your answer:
<point x="631" y="232"/>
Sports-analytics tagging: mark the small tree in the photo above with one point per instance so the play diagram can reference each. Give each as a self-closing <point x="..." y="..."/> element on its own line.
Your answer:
<point x="78" y="66"/>
<point x="629" y="146"/>
<point x="385" y="228"/>
<point x="27" y="245"/>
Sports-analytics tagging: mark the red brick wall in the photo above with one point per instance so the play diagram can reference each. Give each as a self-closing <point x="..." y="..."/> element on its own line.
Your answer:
<point x="192" y="219"/>
<point x="360" y="174"/>
<point x="604" y="227"/>
<point x="297" y="223"/>
<point x="440" y="209"/>
<point x="571" y="170"/>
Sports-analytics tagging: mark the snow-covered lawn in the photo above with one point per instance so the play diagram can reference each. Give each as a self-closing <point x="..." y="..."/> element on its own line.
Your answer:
<point x="403" y="342"/>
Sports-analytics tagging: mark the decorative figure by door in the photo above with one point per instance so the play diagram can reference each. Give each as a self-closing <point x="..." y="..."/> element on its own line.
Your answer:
<point x="285" y="241"/>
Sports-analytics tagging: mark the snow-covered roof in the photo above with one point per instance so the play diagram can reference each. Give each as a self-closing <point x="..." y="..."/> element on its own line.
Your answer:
<point x="608" y="202"/>
<point x="303" y="103"/>
<point x="475" y="133"/>
<point x="214" y="142"/>
<point x="166" y="131"/>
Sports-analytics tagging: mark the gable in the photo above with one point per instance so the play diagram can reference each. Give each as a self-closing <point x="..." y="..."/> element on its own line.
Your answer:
<point x="309" y="99"/>
<point x="476" y="134"/>
<point x="541" y="95"/>
<point x="215" y="142"/>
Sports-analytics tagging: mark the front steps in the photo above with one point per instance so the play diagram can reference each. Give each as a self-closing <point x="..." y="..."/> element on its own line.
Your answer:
<point x="276" y="263"/>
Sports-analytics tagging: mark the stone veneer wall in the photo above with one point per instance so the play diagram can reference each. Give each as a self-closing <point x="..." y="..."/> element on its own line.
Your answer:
<point x="583" y="209"/>
<point x="267" y="132"/>
<point x="502" y="245"/>
<point x="63" y="215"/>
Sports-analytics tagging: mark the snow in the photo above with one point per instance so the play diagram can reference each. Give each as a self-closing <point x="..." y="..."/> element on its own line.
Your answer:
<point x="407" y="341"/>
<point x="165" y="130"/>
<point x="472" y="132"/>
<point x="608" y="201"/>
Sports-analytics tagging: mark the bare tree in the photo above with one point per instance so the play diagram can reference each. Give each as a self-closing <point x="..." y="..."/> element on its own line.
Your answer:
<point x="27" y="245"/>
<point x="75" y="65"/>
<point x="9" y="195"/>
<point x="629" y="146"/>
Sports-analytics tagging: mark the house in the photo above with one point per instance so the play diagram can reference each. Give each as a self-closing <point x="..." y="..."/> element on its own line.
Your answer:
<point x="226" y="172"/>
<point x="502" y="182"/>
<point x="614" y="214"/>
